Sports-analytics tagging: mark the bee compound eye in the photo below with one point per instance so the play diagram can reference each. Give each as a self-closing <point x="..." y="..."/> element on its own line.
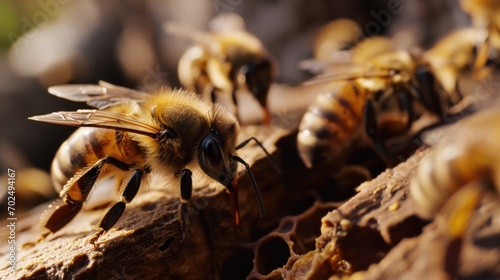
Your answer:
<point x="212" y="151"/>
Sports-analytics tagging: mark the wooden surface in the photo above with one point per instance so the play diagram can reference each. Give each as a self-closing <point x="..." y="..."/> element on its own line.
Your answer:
<point x="373" y="235"/>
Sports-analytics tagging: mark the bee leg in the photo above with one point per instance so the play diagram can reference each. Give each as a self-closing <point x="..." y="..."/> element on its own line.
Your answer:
<point x="258" y="80"/>
<point x="428" y="93"/>
<point x="235" y="103"/>
<point x="76" y="191"/>
<point x="372" y="131"/>
<point x="129" y="192"/>
<point x="459" y="210"/>
<point x="405" y="102"/>
<point x="186" y="192"/>
<point x="62" y="216"/>
<point x="78" y="188"/>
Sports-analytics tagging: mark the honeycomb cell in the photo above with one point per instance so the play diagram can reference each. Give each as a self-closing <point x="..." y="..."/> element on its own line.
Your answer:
<point x="272" y="253"/>
<point x="242" y="260"/>
<point x="295" y="236"/>
<point x="301" y="203"/>
<point x="308" y="228"/>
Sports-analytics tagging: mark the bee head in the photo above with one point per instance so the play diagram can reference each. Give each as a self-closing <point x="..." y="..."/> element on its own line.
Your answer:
<point x="218" y="145"/>
<point x="217" y="159"/>
<point x="218" y="165"/>
<point x="214" y="161"/>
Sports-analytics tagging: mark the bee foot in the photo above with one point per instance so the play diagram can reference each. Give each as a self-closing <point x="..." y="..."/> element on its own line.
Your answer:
<point x="92" y="240"/>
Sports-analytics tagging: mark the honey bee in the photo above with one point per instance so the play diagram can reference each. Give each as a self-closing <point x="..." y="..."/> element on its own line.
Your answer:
<point x="225" y="60"/>
<point x="486" y="20"/>
<point x="340" y="34"/>
<point x="450" y="57"/>
<point x="453" y="176"/>
<point x="173" y="133"/>
<point x="332" y="45"/>
<point x="362" y="103"/>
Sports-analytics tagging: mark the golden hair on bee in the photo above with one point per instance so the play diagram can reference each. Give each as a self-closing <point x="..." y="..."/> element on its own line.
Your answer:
<point x="172" y="133"/>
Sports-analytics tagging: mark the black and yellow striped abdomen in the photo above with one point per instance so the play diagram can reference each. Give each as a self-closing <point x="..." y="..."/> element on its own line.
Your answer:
<point x="468" y="154"/>
<point x="331" y="122"/>
<point x="86" y="146"/>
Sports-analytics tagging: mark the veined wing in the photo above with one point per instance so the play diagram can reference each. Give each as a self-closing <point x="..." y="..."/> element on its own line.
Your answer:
<point x="100" y="96"/>
<point x="100" y="119"/>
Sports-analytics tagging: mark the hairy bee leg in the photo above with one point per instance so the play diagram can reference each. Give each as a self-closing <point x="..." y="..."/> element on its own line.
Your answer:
<point x="77" y="191"/>
<point x="80" y="189"/>
<point x="372" y="131"/>
<point x="186" y="192"/>
<point x="62" y="216"/>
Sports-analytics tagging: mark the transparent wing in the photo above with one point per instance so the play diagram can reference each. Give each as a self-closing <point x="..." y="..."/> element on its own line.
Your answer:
<point x="189" y="34"/>
<point x="347" y="72"/>
<point x="100" y="119"/>
<point x="318" y="66"/>
<point x="205" y="39"/>
<point x="100" y="96"/>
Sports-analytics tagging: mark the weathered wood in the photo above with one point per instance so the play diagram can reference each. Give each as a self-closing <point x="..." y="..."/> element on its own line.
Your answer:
<point x="146" y="243"/>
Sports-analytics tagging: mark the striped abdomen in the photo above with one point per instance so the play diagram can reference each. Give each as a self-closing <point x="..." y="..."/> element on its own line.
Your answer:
<point x="330" y="123"/>
<point x="86" y="146"/>
<point x="467" y="155"/>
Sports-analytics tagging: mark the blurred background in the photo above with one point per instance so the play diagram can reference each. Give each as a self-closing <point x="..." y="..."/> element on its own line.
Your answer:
<point x="50" y="42"/>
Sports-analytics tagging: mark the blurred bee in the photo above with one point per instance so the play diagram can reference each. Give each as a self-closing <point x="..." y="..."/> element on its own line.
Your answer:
<point x="367" y="103"/>
<point x="225" y="60"/>
<point x="341" y="42"/>
<point x="453" y="176"/>
<point x="451" y="57"/>
<point x="332" y="44"/>
<point x="486" y="20"/>
<point x="172" y="133"/>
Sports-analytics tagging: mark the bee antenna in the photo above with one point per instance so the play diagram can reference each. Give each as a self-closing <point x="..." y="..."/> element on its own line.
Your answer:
<point x="254" y="184"/>
<point x="271" y="159"/>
